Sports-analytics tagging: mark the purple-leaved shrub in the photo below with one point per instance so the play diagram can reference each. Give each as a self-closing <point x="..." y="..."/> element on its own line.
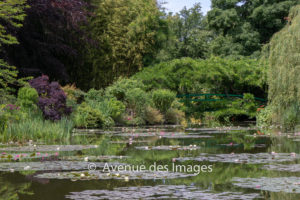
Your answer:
<point x="52" y="99"/>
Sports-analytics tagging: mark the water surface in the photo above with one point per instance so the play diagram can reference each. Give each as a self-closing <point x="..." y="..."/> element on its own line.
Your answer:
<point x="214" y="163"/>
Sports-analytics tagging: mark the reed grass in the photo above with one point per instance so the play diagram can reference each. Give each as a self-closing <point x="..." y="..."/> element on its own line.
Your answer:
<point x="37" y="129"/>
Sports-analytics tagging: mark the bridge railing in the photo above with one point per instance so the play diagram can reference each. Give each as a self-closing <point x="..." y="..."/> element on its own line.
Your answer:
<point x="190" y="97"/>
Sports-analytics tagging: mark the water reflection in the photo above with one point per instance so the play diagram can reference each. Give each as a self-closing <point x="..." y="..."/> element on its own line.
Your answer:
<point x="254" y="152"/>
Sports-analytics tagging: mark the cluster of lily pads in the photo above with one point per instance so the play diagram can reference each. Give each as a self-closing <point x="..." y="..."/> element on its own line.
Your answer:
<point x="47" y="148"/>
<point x="258" y="158"/>
<point x="50" y="166"/>
<point x="176" y="147"/>
<point x="160" y="192"/>
<point x="25" y="156"/>
<point x="122" y="175"/>
<point x="175" y="135"/>
<point x="277" y="184"/>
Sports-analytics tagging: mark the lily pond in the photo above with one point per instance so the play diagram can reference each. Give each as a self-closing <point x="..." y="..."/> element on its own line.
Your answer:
<point x="155" y="162"/>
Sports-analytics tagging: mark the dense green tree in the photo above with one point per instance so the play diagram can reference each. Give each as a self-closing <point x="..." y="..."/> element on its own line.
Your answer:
<point x="49" y="39"/>
<point x="11" y="16"/>
<point x="188" y="36"/>
<point x="283" y="74"/>
<point x="127" y="35"/>
<point x="245" y="25"/>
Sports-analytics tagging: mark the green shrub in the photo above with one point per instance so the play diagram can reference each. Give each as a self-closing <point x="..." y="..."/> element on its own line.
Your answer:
<point x="120" y="88"/>
<point x="136" y="121"/>
<point x="74" y="95"/>
<point x="94" y="95"/>
<point x="28" y="98"/>
<point x="88" y="117"/>
<point x="163" y="99"/>
<point x="174" y="116"/>
<point x="249" y="104"/>
<point x="227" y="115"/>
<point x="153" y="116"/>
<point x="109" y="107"/>
<point x="290" y="117"/>
<point x="117" y="108"/>
<point x="137" y="100"/>
<point x="108" y="122"/>
<point x="264" y="117"/>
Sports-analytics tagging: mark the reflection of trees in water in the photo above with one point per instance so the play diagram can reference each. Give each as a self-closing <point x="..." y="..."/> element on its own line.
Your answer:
<point x="284" y="145"/>
<point x="242" y="138"/>
<point x="13" y="190"/>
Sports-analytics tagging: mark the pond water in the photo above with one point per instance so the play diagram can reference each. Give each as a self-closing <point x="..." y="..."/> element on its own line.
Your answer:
<point x="155" y="162"/>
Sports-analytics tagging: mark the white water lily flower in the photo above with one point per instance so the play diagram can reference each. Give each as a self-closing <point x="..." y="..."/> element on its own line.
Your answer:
<point x="82" y="175"/>
<point x="293" y="154"/>
<point x="27" y="168"/>
<point x="126" y="179"/>
<point x="86" y="159"/>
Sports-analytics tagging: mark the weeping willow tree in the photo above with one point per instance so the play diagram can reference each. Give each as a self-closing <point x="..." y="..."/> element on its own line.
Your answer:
<point x="284" y="73"/>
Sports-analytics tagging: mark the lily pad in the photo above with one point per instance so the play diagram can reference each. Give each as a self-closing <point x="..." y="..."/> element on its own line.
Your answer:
<point x="159" y="192"/>
<point x="282" y="167"/>
<point x="163" y="135"/>
<point x="48" y="148"/>
<point x="123" y="175"/>
<point x="278" y="184"/>
<point x="130" y="141"/>
<point x="191" y="147"/>
<point x="258" y="158"/>
<point x="51" y="165"/>
<point x="236" y="145"/>
<point x="232" y="128"/>
<point x="94" y="131"/>
<point x="24" y="156"/>
<point x="186" y="136"/>
<point x="91" y="158"/>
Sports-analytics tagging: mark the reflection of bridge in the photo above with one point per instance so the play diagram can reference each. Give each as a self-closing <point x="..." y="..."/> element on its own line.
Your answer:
<point x="212" y="97"/>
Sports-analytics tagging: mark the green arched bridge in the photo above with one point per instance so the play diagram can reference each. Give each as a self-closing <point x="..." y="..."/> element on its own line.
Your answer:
<point x="209" y="97"/>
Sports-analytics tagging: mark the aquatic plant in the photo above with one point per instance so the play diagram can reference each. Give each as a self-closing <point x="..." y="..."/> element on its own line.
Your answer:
<point x="36" y="128"/>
